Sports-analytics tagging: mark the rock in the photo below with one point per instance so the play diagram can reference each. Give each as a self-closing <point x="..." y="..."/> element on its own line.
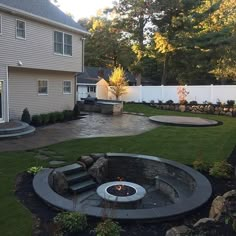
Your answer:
<point x="228" y="113"/>
<point x="203" y="221"/>
<point x="178" y="231"/>
<point x="217" y="207"/>
<point x="230" y="194"/>
<point x="87" y="160"/>
<point x="210" y="109"/>
<point x="182" y="108"/>
<point x="96" y="156"/>
<point x="99" y="170"/>
<point x="55" y="163"/>
<point x="58" y="182"/>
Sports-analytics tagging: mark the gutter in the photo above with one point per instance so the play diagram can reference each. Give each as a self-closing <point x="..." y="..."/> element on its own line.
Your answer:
<point x="16" y="11"/>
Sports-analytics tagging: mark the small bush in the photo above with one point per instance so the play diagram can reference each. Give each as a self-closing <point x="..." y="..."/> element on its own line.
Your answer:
<point x="76" y="111"/>
<point x="60" y="116"/>
<point x="26" y="116"/>
<point x="34" y="170"/>
<point x="200" y="165"/>
<point x="70" y="222"/>
<point x="230" y="103"/>
<point x="193" y="103"/>
<point x="53" y="117"/>
<point x="169" y="102"/>
<point x="68" y="115"/>
<point x="183" y="102"/>
<point x="36" y="120"/>
<point x="108" y="228"/>
<point x="45" y="118"/>
<point x="221" y="169"/>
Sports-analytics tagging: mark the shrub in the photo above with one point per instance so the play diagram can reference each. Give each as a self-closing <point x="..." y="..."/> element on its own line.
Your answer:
<point x="59" y="116"/>
<point x="169" y="102"/>
<point x="200" y="165"/>
<point x="230" y="103"/>
<point x="45" y="118"/>
<point x="53" y="117"/>
<point x="26" y="116"/>
<point x="193" y="103"/>
<point x="36" y="120"/>
<point x="68" y="115"/>
<point x="221" y="169"/>
<point x="108" y="228"/>
<point x="34" y="170"/>
<point x="183" y="102"/>
<point x="76" y="111"/>
<point x="70" y="222"/>
<point x="159" y="102"/>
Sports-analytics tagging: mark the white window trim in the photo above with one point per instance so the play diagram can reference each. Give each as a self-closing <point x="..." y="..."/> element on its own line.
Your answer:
<point x="42" y="94"/>
<point x="63" y="54"/>
<point x="64" y="86"/>
<point x="16" y="29"/>
<point x="2" y="102"/>
<point x="0" y="24"/>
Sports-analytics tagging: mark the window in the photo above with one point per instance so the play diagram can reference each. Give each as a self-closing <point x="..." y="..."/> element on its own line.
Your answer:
<point x="42" y="87"/>
<point x="91" y="89"/>
<point x="67" y="87"/>
<point x="0" y="24"/>
<point x="20" y="29"/>
<point x="62" y="43"/>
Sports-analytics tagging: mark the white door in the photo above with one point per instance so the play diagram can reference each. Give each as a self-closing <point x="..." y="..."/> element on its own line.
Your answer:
<point x="82" y="92"/>
<point x="1" y="101"/>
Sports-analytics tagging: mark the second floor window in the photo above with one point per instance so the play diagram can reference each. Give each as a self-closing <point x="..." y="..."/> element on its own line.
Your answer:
<point x="42" y="87"/>
<point x="20" y="29"/>
<point x="62" y="43"/>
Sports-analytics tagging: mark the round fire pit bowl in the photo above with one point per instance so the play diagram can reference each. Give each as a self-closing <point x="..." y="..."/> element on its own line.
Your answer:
<point x="121" y="191"/>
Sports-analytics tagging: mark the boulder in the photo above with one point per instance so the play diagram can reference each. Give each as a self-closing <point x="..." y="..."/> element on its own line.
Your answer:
<point x="217" y="207"/>
<point x="230" y="194"/>
<point x="58" y="182"/>
<point x="203" y="221"/>
<point x="178" y="231"/>
<point x="99" y="170"/>
<point x="96" y="156"/>
<point x="87" y="160"/>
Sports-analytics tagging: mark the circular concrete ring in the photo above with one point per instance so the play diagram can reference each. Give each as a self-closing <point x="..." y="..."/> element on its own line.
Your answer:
<point x="184" y="121"/>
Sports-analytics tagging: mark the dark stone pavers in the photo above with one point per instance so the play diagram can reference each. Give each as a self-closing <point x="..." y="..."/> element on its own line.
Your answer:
<point x="92" y="125"/>
<point x="92" y="207"/>
<point x="184" y="121"/>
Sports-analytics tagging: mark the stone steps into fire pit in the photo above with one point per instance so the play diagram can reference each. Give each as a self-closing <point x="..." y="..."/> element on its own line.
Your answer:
<point x="78" y="179"/>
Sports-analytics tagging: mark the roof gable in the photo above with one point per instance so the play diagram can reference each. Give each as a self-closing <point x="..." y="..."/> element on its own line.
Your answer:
<point x="44" y="9"/>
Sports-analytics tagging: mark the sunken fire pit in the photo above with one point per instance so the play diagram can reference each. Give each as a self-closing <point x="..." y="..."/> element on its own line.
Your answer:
<point x="122" y="193"/>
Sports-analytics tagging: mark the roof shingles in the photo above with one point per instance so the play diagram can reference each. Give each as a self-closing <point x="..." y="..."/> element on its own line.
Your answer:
<point x="45" y="9"/>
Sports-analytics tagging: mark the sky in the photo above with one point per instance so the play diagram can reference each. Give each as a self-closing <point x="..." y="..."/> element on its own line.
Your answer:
<point x="83" y="8"/>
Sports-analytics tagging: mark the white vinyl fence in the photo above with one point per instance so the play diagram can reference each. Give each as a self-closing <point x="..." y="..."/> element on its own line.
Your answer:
<point x="201" y="93"/>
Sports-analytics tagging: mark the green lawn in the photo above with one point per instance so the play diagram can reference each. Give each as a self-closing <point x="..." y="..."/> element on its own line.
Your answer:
<point x="183" y="144"/>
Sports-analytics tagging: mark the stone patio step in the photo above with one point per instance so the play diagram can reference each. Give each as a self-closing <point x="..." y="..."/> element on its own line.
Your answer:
<point x="70" y="169"/>
<point x="83" y="186"/>
<point x="77" y="177"/>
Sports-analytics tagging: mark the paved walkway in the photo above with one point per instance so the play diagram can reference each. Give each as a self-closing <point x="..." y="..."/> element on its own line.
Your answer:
<point x="93" y="125"/>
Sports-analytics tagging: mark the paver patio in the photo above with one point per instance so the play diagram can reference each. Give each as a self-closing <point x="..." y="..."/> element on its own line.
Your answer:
<point x="93" y="125"/>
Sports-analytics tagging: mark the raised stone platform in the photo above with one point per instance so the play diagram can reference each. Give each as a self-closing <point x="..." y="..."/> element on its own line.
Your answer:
<point x="184" y="121"/>
<point x="15" y="129"/>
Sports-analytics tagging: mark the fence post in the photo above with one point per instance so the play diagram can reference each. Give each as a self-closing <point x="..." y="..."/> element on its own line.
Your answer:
<point x="140" y="93"/>
<point x="162" y="93"/>
<point x="212" y="93"/>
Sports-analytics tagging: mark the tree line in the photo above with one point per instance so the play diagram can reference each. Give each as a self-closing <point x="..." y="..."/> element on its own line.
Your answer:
<point x="169" y="41"/>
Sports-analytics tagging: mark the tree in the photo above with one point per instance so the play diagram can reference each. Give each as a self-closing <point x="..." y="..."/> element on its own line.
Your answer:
<point x="106" y="47"/>
<point x="118" y="82"/>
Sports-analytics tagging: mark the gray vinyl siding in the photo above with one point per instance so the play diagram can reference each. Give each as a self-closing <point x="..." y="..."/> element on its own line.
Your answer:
<point x="4" y="78"/>
<point x="37" y="50"/>
<point x="23" y="91"/>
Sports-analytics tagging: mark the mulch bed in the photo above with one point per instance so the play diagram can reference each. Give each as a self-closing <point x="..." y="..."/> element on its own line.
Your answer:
<point x="43" y="214"/>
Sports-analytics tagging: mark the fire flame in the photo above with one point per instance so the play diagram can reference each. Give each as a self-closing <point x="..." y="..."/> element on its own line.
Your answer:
<point x="120" y="187"/>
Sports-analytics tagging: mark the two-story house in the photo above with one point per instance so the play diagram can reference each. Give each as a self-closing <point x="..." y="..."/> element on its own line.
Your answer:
<point x="41" y="50"/>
